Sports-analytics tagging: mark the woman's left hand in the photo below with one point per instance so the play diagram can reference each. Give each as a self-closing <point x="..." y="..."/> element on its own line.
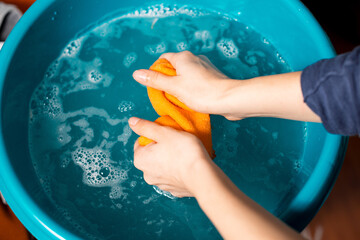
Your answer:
<point x="172" y="160"/>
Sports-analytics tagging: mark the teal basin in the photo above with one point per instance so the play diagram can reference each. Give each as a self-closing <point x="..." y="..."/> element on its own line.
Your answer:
<point x="49" y="25"/>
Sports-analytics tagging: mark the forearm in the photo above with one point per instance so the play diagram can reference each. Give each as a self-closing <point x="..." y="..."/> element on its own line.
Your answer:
<point x="232" y="212"/>
<point x="277" y="96"/>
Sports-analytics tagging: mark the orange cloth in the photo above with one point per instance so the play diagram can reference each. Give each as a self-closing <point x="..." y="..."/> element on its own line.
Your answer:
<point x="176" y="114"/>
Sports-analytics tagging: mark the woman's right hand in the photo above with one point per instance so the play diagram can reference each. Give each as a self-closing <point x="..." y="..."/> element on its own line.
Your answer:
<point x="198" y="84"/>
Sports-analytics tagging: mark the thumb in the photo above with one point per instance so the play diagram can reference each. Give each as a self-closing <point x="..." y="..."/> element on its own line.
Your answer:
<point x="148" y="129"/>
<point x="155" y="80"/>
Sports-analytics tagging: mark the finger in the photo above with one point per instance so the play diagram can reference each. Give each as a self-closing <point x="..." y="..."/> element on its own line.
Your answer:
<point x="148" y="129"/>
<point x="156" y="80"/>
<point x="136" y="145"/>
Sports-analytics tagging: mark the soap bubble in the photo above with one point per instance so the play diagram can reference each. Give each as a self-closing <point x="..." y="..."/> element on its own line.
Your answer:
<point x="98" y="171"/>
<point x="73" y="48"/>
<point x="45" y="101"/>
<point x="95" y="76"/>
<point x="117" y="193"/>
<point x="228" y="48"/>
<point x="52" y="70"/>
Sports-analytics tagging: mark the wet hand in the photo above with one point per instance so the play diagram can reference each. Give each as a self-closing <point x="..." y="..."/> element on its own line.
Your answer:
<point x="198" y="84"/>
<point x="172" y="160"/>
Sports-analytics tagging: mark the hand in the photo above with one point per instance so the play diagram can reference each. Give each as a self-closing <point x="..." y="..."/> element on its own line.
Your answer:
<point x="172" y="160"/>
<point x="198" y="84"/>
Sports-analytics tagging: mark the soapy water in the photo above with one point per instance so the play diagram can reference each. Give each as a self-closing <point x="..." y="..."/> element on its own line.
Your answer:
<point x="82" y="147"/>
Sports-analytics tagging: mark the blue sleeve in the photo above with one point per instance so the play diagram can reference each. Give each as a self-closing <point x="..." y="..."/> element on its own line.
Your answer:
<point x="331" y="88"/>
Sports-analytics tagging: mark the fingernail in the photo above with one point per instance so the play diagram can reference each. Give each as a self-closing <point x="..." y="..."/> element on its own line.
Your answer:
<point x="140" y="75"/>
<point x="133" y="121"/>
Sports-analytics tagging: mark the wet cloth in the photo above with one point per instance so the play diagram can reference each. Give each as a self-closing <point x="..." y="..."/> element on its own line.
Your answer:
<point x="176" y="114"/>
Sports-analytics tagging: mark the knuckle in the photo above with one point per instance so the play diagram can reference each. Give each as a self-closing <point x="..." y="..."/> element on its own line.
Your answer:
<point x="167" y="55"/>
<point x="186" y="54"/>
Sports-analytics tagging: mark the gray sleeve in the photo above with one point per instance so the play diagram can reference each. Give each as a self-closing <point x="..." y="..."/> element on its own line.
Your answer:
<point x="9" y="16"/>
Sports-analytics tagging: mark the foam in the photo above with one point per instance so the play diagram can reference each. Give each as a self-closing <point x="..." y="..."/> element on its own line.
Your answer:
<point x="103" y="31"/>
<point x="45" y="183"/>
<point x="117" y="193"/>
<point x="95" y="76"/>
<point x="133" y="184"/>
<point x="106" y="144"/>
<point x="207" y="39"/>
<point x="65" y="159"/>
<point x="156" y="49"/>
<point x="45" y="101"/>
<point x="91" y="112"/>
<point x="161" y="10"/>
<point x="94" y="162"/>
<point x="88" y="132"/>
<point x="151" y="198"/>
<point x="52" y="70"/>
<point x="164" y="193"/>
<point x="228" y="48"/>
<point x="82" y="123"/>
<point x="182" y="46"/>
<point x="124" y="137"/>
<point x="129" y="59"/>
<point x="126" y="106"/>
<point x="73" y="48"/>
<point x="105" y="134"/>
<point x="82" y="75"/>
<point x="63" y="133"/>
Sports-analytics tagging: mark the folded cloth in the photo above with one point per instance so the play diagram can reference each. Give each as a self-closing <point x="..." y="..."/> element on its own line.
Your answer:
<point x="175" y="114"/>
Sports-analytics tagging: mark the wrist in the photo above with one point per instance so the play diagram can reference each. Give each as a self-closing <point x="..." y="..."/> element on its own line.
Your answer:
<point x="236" y="99"/>
<point x="194" y="175"/>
